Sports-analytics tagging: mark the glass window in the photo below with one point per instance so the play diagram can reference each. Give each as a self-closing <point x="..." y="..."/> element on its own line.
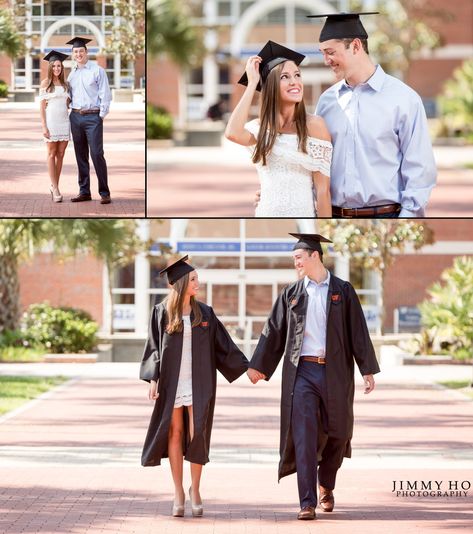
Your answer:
<point x="301" y="16"/>
<point x="224" y="9"/>
<point x="125" y="276"/>
<point x="36" y="11"/>
<point x="225" y="299"/>
<point x="259" y="299"/>
<point x="278" y="16"/>
<point x="61" y="8"/>
<point x="87" y="7"/>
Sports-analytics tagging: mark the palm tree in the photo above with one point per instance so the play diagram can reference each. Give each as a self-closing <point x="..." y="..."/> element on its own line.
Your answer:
<point x="113" y="241"/>
<point x="11" y="42"/>
<point x="170" y="32"/>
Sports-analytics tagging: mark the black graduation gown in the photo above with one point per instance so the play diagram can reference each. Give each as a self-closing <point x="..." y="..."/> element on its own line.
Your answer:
<point x="212" y="349"/>
<point x="347" y="339"/>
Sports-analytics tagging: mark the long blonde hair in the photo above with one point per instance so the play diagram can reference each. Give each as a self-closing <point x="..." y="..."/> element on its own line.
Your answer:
<point x="50" y="86"/>
<point x="269" y="117"/>
<point x="175" y="303"/>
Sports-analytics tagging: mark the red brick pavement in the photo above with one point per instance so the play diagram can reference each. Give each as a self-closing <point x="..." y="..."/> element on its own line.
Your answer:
<point x="224" y="185"/>
<point x="92" y="493"/>
<point x="24" y="180"/>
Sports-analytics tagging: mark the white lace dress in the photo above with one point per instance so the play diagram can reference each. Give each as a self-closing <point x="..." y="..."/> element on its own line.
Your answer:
<point x="286" y="180"/>
<point x="57" y="117"/>
<point x="184" y="384"/>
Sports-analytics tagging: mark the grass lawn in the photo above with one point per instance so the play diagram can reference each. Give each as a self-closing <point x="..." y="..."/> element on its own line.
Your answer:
<point x="20" y="355"/>
<point x="16" y="390"/>
<point x="461" y="385"/>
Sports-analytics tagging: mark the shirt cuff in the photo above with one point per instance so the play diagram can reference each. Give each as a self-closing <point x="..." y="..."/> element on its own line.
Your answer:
<point x="405" y="213"/>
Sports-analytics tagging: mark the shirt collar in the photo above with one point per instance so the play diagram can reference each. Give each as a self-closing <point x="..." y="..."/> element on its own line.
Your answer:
<point x="86" y="66"/>
<point x="325" y="282"/>
<point x="376" y="81"/>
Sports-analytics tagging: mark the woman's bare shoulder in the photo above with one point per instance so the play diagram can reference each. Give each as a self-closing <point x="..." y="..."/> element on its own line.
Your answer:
<point x="44" y="84"/>
<point x="316" y="127"/>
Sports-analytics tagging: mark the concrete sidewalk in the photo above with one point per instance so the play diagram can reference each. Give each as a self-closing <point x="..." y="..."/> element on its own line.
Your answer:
<point x="221" y="182"/>
<point x="70" y="461"/>
<point x="24" y="183"/>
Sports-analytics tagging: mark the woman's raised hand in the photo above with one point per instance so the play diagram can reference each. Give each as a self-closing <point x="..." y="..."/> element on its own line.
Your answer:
<point x="252" y="71"/>
<point x="153" y="390"/>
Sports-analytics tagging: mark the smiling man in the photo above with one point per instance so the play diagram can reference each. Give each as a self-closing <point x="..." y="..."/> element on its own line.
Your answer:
<point x="90" y="104"/>
<point x="318" y="327"/>
<point x="383" y="163"/>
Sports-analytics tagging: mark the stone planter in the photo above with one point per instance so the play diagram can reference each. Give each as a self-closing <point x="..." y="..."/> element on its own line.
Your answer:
<point x="70" y="358"/>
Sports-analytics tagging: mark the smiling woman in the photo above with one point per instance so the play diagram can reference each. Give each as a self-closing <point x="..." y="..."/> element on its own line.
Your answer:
<point x="291" y="150"/>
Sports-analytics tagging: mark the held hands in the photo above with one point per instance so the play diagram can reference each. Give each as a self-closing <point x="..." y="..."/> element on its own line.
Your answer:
<point x="153" y="390"/>
<point x="255" y="375"/>
<point x="369" y="383"/>
<point x="252" y="71"/>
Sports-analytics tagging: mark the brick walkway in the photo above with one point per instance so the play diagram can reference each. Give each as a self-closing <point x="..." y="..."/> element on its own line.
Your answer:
<point x="70" y="463"/>
<point x="221" y="182"/>
<point x="24" y="182"/>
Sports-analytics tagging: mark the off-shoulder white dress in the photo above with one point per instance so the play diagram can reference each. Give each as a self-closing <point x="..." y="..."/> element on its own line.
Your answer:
<point x="286" y="180"/>
<point x="57" y="117"/>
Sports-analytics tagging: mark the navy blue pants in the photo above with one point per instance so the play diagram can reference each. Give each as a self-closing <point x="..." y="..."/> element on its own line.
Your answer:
<point x="310" y="396"/>
<point x="87" y="133"/>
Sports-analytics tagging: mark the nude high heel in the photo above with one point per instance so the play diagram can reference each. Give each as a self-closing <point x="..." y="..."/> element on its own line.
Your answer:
<point x="178" y="510"/>
<point x="54" y="198"/>
<point x="197" y="509"/>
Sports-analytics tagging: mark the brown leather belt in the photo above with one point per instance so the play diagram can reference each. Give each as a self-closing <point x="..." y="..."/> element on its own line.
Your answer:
<point x="314" y="359"/>
<point x="86" y="111"/>
<point x="366" y="212"/>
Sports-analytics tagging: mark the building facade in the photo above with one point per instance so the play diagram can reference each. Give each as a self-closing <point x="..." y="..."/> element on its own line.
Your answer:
<point x="49" y="24"/>
<point x="236" y="29"/>
<point x="242" y="265"/>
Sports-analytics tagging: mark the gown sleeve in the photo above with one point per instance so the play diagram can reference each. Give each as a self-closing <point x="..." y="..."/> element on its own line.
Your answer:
<point x="230" y="361"/>
<point x="362" y="348"/>
<point x="272" y="341"/>
<point x="151" y="361"/>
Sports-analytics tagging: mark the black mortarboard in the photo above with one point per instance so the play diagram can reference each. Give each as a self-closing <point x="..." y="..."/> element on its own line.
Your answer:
<point x="177" y="270"/>
<point x="79" y="42"/>
<point x="343" y="26"/>
<point x="310" y="241"/>
<point x="54" y="55"/>
<point x="273" y="54"/>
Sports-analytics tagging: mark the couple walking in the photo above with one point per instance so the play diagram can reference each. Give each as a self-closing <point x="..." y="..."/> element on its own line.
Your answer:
<point x="365" y="153"/>
<point x="87" y="93"/>
<point x="317" y="326"/>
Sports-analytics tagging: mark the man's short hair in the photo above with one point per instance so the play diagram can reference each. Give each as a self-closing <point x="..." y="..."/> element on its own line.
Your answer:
<point x="321" y="254"/>
<point x="364" y="43"/>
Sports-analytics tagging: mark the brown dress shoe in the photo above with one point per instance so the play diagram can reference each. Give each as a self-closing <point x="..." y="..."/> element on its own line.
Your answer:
<point x="308" y="512"/>
<point x="105" y="200"/>
<point x="81" y="198"/>
<point x="327" y="500"/>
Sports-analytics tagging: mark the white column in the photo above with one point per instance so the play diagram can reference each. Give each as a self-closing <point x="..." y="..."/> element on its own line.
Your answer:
<point x="28" y="44"/>
<point x="142" y="281"/>
<point x="210" y="67"/>
<point x="106" y="303"/>
<point x="290" y="26"/>
<point x="116" y="58"/>
<point x="117" y="65"/>
<point x="342" y="267"/>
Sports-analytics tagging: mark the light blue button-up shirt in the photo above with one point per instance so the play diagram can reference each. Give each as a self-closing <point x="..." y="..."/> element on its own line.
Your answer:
<point x="89" y="88"/>
<point x="315" y="333"/>
<point x="382" y="153"/>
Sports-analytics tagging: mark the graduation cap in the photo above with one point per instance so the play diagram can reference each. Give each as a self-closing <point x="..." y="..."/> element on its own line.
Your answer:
<point x="343" y="26"/>
<point x="54" y="55"/>
<point x="272" y="54"/>
<point x="79" y="42"/>
<point x="310" y="241"/>
<point x="177" y="270"/>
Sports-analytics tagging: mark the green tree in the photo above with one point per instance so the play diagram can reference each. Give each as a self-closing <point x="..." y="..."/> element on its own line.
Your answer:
<point x="170" y="31"/>
<point x="449" y="309"/>
<point x="127" y="36"/>
<point x="401" y="30"/>
<point x="456" y="101"/>
<point x="374" y="242"/>
<point x="11" y="42"/>
<point x="113" y="241"/>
